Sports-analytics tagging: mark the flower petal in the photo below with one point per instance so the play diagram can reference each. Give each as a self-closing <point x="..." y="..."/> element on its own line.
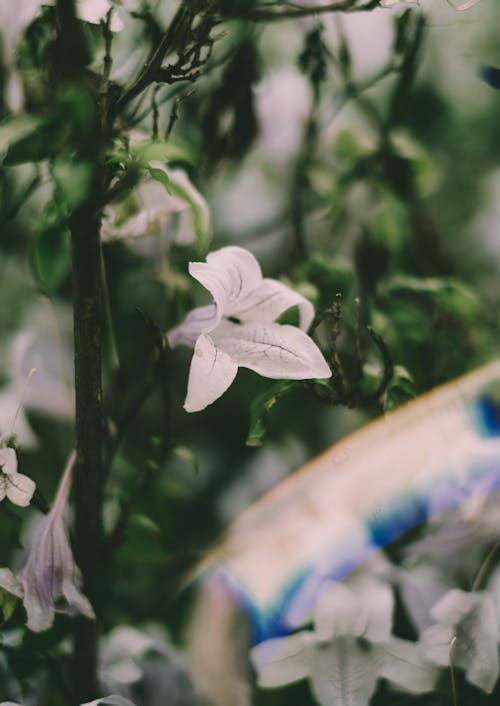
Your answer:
<point x="283" y="660"/>
<point x="200" y="320"/>
<point x="20" y="489"/>
<point x="10" y="583"/>
<point x="268" y="301"/>
<point x="344" y="673"/>
<point x="338" y="613"/>
<point x="211" y="373"/>
<point x="403" y="663"/>
<point x="8" y="461"/>
<point x="272" y="350"/>
<point x="229" y="274"/>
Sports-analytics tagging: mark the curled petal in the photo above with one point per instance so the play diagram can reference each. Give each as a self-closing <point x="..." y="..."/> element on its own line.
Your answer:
<point x="212" y="372"/>
<point x="272" y="350"/>
<point x="268" y="301"/>
<point x="230" y="274"/>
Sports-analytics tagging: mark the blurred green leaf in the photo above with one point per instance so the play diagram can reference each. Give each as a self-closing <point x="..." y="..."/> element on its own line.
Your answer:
<point x="452" y="295"/>
<point x="391" y="223"/>
<point x="143" y="539"/>
<point x="16" y="129"/>
<point x="73" y="180"/>
<point x="51" y="256"/>
<point x="187" y="456"/>
<point x="8" y="604"/>
<point x="261" y="408"/>
<point x="162" y="151"/>
<point x="401" y="388"/>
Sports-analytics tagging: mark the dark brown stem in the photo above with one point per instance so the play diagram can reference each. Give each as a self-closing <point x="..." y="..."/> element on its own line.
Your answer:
<point x="89" y="536"/>
<point x="84" y="224"/>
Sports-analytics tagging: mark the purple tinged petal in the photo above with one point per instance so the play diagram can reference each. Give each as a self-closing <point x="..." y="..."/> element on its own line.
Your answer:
<point x="203" y="319"/>
<point x="50" y="578"/>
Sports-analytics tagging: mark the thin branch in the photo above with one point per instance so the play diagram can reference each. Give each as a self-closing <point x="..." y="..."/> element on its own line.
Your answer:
<point x="291" y="13"/>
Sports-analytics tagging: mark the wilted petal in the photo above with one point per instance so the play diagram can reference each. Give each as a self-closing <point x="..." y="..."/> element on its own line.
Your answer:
<point x="404" y="664"/>
<point x="283" y="660"/>
<point x="212" y="372"/>
<point x="200" y="320"/>
<point x="344" y="672"/>
<point x="182" y="188"/>
<point x="50" y="573"/>
<point x="272" y="350"/>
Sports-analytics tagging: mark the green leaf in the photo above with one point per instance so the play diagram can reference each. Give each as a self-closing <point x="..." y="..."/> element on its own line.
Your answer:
<point x="450" y="294"/>
<point x="162" y="151"/>
<point x="51" y="256"/>
<point x="391" y="223"/>
<point x="187" y="456"/>
<point x="16" y="129"/>
<point x="72" y="180"/>
<point x="401" y="388"/>
<point x="144" y="539"/>
<point x="261" y="408"/>
<point x="8" y="604"/>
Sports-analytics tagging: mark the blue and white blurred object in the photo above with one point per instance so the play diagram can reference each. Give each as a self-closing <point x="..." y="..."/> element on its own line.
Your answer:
<point x="322" y="523"/>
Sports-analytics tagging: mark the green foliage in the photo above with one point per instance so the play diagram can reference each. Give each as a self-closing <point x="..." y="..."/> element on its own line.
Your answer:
<point x="51" y="256"/>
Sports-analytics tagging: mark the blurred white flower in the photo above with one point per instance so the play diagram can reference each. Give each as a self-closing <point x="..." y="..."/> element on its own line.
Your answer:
<point x="95" y="11"/>
<point x="119" y="654"/>
<point x="460" y="6"/>
<point x="15" y="486"/>
<point x="238" y="329"/>
<point x="350" y="647"/>
<point x="164" y="197"/>
<point x="50" y="580"/>
<point x="283" y="100"/>
<point x="466" y="635"/>
<point x="112" y="700"/>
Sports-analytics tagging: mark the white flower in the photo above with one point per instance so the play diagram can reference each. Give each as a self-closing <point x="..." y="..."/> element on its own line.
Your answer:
<point x="238" y="329"/>
<point x="15" y="486"/>
<point x="167" y="194"/>
<point x="466" y="635"/>
<point x="349" y="649"/>
<point x="50" y="579"/>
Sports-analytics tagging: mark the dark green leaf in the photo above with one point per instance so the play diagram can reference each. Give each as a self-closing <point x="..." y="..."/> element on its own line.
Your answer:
<point x="51" y="256"/>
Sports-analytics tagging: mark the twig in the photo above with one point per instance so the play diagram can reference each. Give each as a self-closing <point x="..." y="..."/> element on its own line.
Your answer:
<point x="301" y="11"/>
